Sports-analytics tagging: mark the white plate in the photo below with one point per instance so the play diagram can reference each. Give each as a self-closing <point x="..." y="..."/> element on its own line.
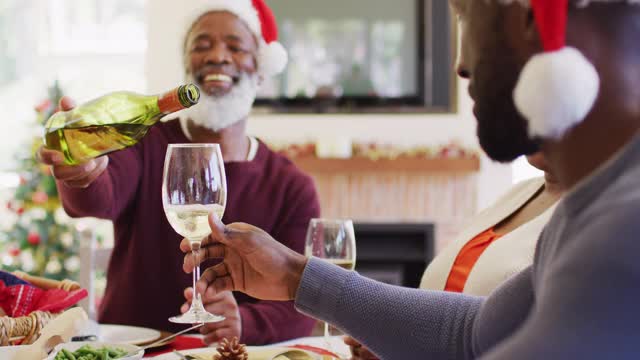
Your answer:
<point x="255" y="353"/>
<point x="170" y="356"/>
<point x="122" y="334"/>
<point x="7" y="352"/>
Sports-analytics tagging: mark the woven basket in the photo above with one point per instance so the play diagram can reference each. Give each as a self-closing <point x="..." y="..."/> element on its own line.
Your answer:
<point x="26" y="329"/>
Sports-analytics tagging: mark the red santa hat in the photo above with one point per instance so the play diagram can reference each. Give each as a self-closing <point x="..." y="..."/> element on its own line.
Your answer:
<point x="557" y="88"/>
<point x="272" y="56"/>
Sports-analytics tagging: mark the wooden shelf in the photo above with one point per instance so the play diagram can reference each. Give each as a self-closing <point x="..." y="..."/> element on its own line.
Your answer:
<point x="402" y="164"/>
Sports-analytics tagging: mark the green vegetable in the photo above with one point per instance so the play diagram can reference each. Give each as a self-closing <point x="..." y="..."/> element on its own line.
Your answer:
<point x="87" y="352"/>
<point x="68" y="354"/>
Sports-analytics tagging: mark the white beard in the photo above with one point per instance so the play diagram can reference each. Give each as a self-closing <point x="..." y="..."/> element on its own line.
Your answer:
<point x="220" y="112"/>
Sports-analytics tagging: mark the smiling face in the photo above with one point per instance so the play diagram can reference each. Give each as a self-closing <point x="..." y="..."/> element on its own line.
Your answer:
<point x="219" y="50"/>
<point x="496" y="42"/>
<point x="220" y="57"/>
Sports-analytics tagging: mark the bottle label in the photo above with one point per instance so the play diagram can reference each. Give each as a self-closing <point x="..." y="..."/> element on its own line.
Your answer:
<point x="170" y="102"/>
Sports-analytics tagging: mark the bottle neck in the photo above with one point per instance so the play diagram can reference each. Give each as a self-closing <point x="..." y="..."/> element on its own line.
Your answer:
<point x="170" y="102"/>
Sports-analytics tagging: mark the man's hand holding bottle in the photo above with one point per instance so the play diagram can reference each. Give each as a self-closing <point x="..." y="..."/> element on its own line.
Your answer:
<point x="74" y="176"/>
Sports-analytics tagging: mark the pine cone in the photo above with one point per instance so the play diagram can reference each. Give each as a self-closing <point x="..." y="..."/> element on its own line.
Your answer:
<point x="231" y="350"/>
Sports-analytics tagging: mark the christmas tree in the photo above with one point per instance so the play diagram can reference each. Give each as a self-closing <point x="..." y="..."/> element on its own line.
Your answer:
<point x="38" y="237"/>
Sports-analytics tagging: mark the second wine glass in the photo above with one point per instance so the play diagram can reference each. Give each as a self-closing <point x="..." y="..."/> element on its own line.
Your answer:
<point x="333" y="241"/>
<point x="194" y="185"/>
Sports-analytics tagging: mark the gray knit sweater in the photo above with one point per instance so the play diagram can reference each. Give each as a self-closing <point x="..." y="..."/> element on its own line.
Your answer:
<point x="579" y="300"/>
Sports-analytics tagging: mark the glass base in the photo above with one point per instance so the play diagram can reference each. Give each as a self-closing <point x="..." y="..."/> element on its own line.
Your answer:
<point x="196" y="315"/>
<point x="196" y="318"/>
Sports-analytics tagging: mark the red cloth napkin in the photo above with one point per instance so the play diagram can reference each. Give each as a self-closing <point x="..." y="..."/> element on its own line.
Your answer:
<point x="315" y="350"/>
<point x="181" y="343"/>
<point x="22" y="300"/>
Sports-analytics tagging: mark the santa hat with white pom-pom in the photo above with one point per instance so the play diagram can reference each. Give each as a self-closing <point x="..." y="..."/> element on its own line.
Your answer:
<point x="272" y="56"/>
<point x="557" y="88"/>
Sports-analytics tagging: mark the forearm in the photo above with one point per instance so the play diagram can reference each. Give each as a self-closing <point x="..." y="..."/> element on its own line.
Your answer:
<point x="267" y="322"/>
<point x="94" y="201"/>
<point x="394" y="322"/>
<point x="110" y="193"/>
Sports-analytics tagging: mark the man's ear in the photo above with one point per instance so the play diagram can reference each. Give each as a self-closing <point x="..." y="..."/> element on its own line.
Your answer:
<point x="185" y="65"/>
<point x="531" y="28"/>
<point x="522" y="31"/>
<point x="256" y="64"/>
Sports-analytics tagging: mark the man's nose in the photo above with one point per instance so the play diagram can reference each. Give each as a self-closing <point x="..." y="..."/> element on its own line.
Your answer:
<point x="462" y="71"/>
<point x="219" y="55"/>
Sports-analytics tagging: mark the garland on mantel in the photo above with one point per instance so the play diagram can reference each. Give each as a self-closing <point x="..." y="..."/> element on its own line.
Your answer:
<point x="376" y="151"/>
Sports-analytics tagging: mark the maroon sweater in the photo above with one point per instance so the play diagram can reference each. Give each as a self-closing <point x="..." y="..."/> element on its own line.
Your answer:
<point x="145" y="281"/>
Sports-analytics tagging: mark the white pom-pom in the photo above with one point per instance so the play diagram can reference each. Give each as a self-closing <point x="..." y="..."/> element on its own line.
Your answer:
<point x="556" y="91"/>
<point x="272" y="59"/>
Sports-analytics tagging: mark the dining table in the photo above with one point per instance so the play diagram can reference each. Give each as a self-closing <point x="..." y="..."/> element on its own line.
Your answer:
<point x="336" y="345"/>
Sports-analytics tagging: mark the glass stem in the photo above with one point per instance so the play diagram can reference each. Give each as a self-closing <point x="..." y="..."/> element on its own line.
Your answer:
<point x="196" y="303"/>
<point x="327" y="335"/>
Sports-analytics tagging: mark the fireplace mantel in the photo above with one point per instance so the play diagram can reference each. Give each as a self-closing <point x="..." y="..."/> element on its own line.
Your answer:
<point x="400" y="164"/>
<point x="441" y="191"/>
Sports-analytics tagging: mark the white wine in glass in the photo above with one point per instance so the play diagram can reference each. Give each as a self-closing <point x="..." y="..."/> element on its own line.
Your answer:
<point x="194" y="185"/>
<point x="192" y="221"/>
<point x="333" y="241"/>
<point x="346" y="264"/>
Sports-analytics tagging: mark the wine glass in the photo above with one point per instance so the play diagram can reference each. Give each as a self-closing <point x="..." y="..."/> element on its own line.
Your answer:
<point x="194" y="185"/>
<point x="333" y="241"/>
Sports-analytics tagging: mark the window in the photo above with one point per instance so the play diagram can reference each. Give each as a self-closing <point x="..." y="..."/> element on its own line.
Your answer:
<point x="90" y="46"/>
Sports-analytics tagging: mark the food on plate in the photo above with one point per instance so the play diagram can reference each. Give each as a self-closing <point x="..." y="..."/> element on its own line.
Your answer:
<point x="87" y="352"/>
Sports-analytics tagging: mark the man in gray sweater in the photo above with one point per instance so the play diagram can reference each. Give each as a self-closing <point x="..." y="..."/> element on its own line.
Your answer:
<point x="578" y="300"/>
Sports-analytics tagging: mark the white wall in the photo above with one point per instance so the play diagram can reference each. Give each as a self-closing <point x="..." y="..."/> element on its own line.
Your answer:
<point x="164" y="71"/>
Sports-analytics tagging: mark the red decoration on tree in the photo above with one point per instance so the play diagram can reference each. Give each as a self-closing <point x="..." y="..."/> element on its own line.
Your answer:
<point x="39" y="197"/>
<point x="44" y="106"/>
<point x="33" y="238"/>
<point x="20" y="211"/>
<point x="14" y="252"/>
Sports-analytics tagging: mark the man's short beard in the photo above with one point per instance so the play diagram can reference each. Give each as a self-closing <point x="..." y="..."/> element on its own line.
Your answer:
<point x="220" y="112"/>
<point x="502" y="130"/>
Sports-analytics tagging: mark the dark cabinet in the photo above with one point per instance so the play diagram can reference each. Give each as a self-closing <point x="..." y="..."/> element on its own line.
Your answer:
<point x="394" y="253"/>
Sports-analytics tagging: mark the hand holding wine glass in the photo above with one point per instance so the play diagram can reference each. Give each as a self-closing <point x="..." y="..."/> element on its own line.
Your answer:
<point x="224" y="304"/>
<point x="194" y="185"/>
<point x="253" y="263"/>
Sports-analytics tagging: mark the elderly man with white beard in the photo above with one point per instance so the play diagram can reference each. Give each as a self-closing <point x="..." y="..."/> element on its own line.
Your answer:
<point x="229" y="47"/>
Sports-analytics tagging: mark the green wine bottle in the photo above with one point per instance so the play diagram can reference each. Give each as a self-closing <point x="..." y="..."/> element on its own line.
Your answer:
<point x="112" y="122"/>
